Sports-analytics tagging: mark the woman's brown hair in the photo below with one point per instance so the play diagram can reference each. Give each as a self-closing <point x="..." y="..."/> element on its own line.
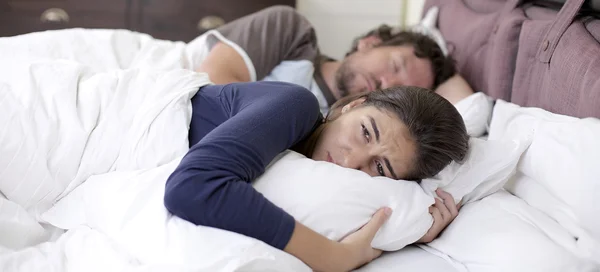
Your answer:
<point x="435" y="125"/>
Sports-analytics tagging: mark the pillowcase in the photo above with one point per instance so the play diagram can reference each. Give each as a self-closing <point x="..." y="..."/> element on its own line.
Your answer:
<point x="503" y="233"/>
<point x="488" y="166"/>
<point x="329" y="199"/>
<point x="427" y="26"/>
<point x="560" y="169"/>
<point x="336" y="201"/>
<point x="476" y="111"/>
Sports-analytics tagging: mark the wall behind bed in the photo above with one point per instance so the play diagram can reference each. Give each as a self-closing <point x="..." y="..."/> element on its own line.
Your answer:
<point x="338" y="22"/>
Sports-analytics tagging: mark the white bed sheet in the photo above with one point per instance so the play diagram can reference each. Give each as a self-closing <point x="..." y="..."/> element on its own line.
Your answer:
<point x="408" y="259"/>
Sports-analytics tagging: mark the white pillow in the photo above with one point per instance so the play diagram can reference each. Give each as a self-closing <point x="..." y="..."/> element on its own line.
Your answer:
<point x="489" y="164"/>
<point x="502" y="233"/>
<point x="329" y="199"/>
<point x="561" y="168"/>
<point x="427" y="26"/>
<point x="335" y="201"/>
<point x="476" y="111"/>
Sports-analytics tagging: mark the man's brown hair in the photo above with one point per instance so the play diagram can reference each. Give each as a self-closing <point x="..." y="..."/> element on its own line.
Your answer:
<point x="443" y="66"/>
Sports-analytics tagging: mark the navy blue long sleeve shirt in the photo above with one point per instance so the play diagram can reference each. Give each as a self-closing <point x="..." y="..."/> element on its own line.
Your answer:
<point x="235" y="132"/>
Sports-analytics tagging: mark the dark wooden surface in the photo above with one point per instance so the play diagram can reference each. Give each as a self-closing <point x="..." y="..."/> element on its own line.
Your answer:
<point x="163" y="19"/>
<point x="23" y="16"/>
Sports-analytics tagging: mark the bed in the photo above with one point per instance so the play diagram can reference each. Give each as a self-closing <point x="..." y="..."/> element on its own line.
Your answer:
<point x="496" y="44"/>
<point x="521" y="53"/>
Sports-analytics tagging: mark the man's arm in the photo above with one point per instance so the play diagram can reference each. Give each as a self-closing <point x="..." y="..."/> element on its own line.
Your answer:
<point x="454" y="89"/>
<point x="267" y="37"/>
<point x="224" y="65"/>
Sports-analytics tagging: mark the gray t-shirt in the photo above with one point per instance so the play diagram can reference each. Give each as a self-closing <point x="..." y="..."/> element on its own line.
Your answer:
<point x="274" y="35"/>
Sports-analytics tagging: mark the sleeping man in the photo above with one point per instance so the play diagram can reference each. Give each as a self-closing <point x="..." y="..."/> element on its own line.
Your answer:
<point x="279" y="44"/>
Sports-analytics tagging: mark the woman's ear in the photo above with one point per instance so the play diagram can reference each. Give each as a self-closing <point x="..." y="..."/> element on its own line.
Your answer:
<point x="353" y="103"/>
<point x="368" y="42"/>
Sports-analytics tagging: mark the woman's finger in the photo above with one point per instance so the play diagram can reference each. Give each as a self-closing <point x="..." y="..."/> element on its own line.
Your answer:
<point x="435" y="227"/>
<point x="371" y="228"/>
<point x="375" y="253"/>
<point x="448" y="199"/>
<point x="441" y="207"/>
<point x="438" y="219"/>
<point x="448" y="202"/>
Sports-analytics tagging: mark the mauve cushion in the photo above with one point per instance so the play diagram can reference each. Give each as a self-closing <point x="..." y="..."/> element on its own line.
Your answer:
<point x="495" y="49"/>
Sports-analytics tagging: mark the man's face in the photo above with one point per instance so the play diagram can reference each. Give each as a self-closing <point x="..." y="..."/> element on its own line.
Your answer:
<point x="372" y="68"/>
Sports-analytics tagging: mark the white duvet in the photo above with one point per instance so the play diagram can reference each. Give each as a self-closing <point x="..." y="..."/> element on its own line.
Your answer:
<point x="59" y="91"/>
<point x="79" y="103"/>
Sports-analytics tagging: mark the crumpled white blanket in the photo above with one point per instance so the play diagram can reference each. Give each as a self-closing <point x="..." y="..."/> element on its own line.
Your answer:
<point x="77" y="103"/>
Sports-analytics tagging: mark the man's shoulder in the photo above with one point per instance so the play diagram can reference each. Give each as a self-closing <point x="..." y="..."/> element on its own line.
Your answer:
<point x="282" y="12"/>
<point x="273" y="35"/>
<point x="274" y="16"/>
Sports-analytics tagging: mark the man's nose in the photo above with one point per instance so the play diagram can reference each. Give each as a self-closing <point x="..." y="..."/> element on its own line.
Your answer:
<point x="388" y="81"/>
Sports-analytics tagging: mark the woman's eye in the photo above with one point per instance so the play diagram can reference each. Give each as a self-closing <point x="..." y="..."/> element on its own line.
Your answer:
<point x="380" y="168"/>
<point x="366" y="133"/>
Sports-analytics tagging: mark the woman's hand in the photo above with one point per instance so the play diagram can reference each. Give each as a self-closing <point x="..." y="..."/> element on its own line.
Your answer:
<point x="358" y="244"/>
<point x="322" y="254"/>
<point x="443" y="212"/>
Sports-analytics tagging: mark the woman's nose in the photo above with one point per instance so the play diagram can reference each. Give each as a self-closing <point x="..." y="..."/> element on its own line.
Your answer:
<point x="357" y="159"/>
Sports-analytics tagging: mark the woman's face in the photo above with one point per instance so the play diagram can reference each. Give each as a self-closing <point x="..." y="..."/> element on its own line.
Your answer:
<point x="367" y="139"/>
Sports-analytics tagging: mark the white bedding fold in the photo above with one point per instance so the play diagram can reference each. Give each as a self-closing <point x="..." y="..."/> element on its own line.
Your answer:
<point x="128" y="208"/>
<point x="64" y="123"/>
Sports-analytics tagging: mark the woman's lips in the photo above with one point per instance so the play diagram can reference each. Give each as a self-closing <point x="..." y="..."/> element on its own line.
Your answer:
<point x="329" y="158"/>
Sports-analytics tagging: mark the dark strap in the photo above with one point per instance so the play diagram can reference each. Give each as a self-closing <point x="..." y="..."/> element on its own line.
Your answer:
<point x="564" y="18"/>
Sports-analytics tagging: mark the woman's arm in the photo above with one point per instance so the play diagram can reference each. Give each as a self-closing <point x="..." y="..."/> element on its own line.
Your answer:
<point x="211" y="186"/>
<point x="322" y="254"/>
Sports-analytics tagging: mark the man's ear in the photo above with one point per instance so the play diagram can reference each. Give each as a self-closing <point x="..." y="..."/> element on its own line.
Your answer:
<point x="353" y="104"/>
<point x="368" y="42"/>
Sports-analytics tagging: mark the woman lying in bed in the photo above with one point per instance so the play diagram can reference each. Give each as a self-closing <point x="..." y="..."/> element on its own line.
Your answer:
<point x="237" y="129"/>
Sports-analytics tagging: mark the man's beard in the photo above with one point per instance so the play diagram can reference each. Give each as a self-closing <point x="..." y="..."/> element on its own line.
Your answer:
<point x="344" y="78"/>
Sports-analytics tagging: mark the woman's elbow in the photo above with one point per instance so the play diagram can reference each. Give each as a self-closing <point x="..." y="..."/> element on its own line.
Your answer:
<point x="173" y="201"/>
<point x="182" y="202"/>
